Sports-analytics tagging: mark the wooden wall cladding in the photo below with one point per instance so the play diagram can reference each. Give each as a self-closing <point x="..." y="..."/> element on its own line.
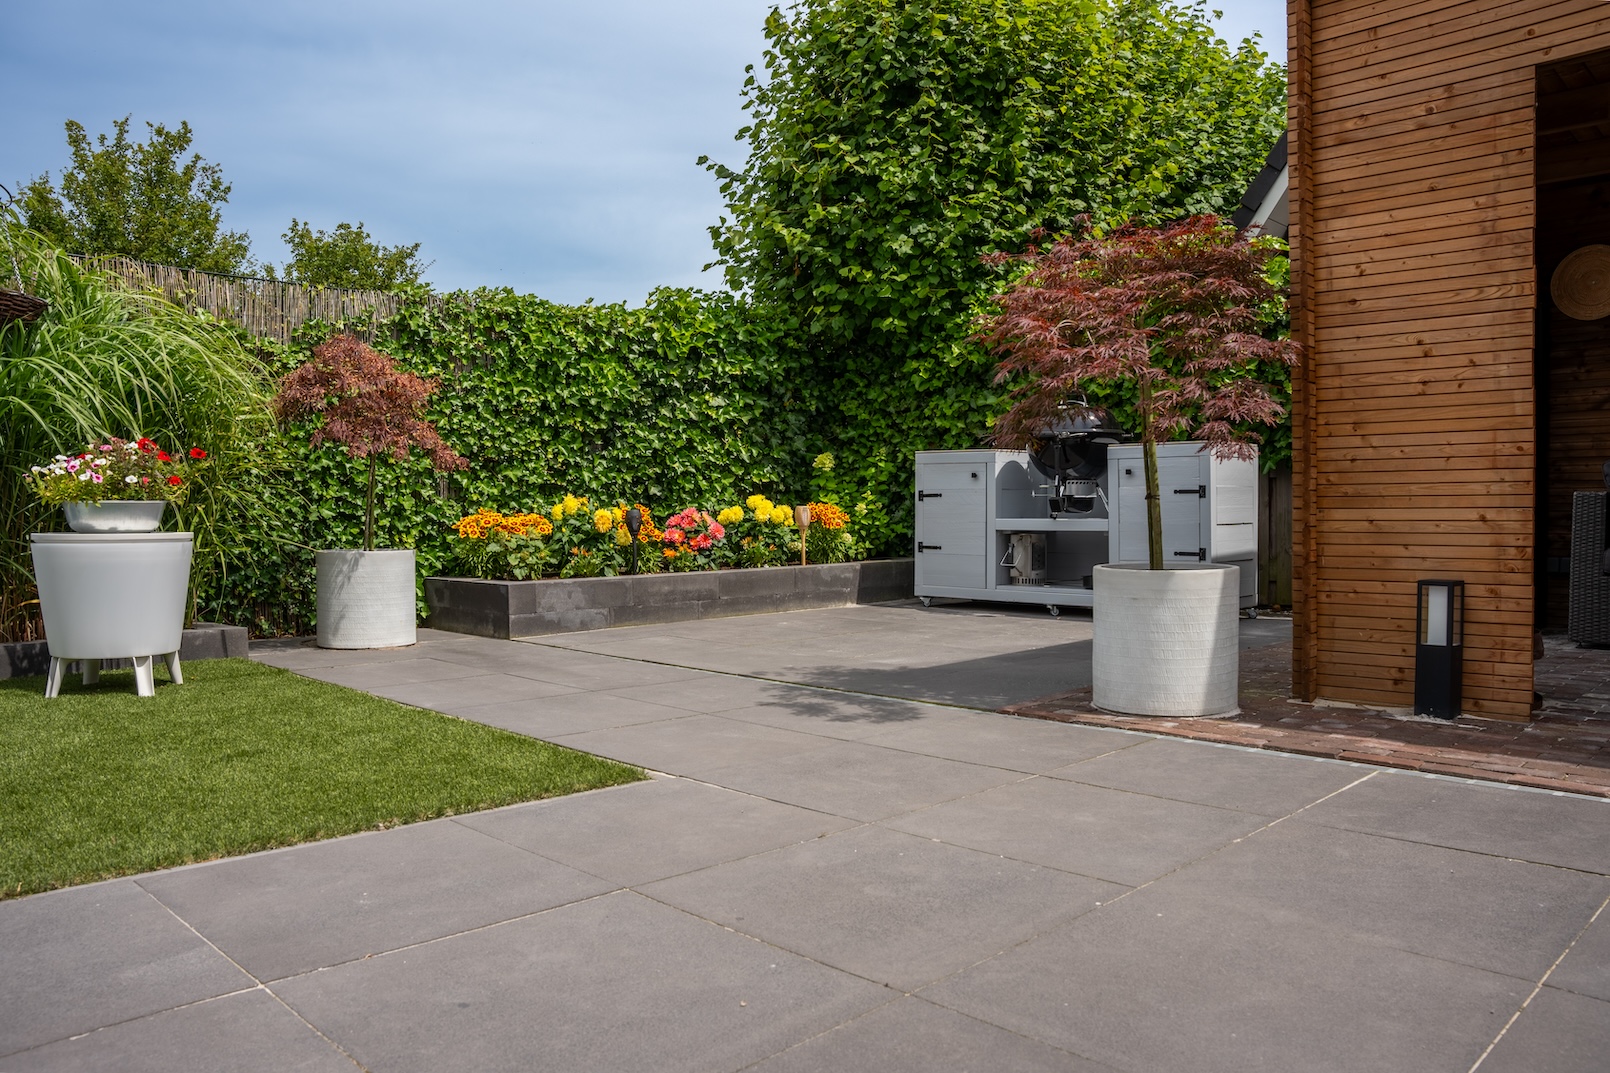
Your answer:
<point x="1416" y="278"/>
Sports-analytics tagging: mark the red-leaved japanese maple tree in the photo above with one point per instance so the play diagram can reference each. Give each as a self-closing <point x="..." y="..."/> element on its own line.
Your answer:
<point x="369" y="406"/>
<point x="1171" y="311"/>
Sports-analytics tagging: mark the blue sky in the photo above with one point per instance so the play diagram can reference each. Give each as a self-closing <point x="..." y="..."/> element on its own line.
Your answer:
<point x="543" y="146"/>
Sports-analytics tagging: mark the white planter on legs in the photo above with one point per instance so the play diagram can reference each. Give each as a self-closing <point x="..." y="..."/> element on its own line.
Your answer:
<point x="366" y="599"/>
<point x="1167" y="642"/>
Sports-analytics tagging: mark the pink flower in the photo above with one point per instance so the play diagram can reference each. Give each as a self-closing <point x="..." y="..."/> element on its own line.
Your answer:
<point x="674" y="536"/>
<point x="96" y="477"/>
<point x="717" y="530"/>
<point x="701" y="542"/>
<point x="72" y="467"/>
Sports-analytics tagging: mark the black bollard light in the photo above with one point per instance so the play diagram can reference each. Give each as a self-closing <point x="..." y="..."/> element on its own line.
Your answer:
<point x="1439" y="648"/>
<point x="634" y="525"/>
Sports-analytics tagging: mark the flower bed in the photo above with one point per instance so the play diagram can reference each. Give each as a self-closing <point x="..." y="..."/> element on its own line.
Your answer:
<point x="509" y="609"/>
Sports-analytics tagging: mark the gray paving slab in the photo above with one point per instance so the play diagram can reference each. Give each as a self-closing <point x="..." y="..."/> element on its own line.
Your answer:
<point x="1121" y="837"/>
<point x="300" y="654"/>
<point x="455" y="695"/>
<point x="619" y="983"/>
<point x="568" y="713"/>
<point x="696" y="746"/>
<point x="295" y="910"/>
<point x="708" y="694"/>
<point x="910" y="1035"/>
<point x="1164" y="985"/>
<point x="247" y="1032"/>
<point x="863" y="782"/>
<point x="1559" y="1032"/>
<point x="1491" y="912"/>
<point x="1586" y="969"/>
<point x="74" y="960"/>
<point x="370" y="676"/>
<point x="1508" y="821"/>
<point x="1003" y="741"/>
<point x="886" y="906"/>
<point x="1271" y="784"/>
<point x="655" y="829"/>
<point x="849" y="716"/>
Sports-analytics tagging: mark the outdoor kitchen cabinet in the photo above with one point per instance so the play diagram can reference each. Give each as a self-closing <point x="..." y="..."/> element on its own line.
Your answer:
<point x="1210" y="509"/>
<point x="970" y="504"/>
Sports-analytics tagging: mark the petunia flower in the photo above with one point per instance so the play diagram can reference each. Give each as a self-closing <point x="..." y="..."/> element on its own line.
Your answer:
<point x="174" y="480"/>
<point x="197" y="453"/>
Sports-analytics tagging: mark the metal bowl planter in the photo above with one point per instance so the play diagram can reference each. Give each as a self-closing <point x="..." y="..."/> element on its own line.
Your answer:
<point x="112" y="596"/>
<point x="115" y="516"/>
<point x="366" y="599"/>
<point x="1167" y="642"/>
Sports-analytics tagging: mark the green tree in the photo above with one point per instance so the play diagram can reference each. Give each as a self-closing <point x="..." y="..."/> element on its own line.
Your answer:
<point x="892" y="143"/>
<point x="141" y="200"/>
<point x="347" y="257"/>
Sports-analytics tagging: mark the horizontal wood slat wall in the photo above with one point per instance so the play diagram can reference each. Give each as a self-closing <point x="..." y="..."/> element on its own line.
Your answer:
<point x="1413" y="209"/>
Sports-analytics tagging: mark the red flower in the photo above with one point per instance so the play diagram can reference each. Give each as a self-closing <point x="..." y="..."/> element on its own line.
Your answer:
<point x="197" y="453"/>
<point x="163" y="456"/>
<point x="145" y="445"/>
<point x="175" y="479"/>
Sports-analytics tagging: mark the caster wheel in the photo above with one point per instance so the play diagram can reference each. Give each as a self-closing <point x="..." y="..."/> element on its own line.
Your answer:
<point x="1252" y="612"/>
<point x="1054" y="609"/>
<point x="927" y="601"/>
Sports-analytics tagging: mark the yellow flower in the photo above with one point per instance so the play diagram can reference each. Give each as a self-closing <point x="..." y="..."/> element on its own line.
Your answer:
<point x="754" y="501"/>
<point x="603" y="521"/>
<point x="622" y="537"/>
<point x="619" y="512"/>
<point x="781" y="515"/>
<point x="731" y="516"/>
<point x="558" y="512"/>
<point x="572" y="504"/>
<point x="763" y="509"/>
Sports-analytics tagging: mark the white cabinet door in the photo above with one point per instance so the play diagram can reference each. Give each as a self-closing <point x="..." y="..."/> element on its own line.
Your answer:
<point x="1180" y="479"/>
<point x="952" y="526"/>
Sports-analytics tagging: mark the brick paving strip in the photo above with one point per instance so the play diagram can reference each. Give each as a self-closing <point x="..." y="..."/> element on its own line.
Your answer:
<point x="1566" y="747"/>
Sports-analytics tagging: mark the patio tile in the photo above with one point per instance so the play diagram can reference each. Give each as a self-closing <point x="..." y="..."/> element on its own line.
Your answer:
<point x="455" y="695"/>
<point x="1171" y="985"/>
<point x="568" y="713"/>
<point x="1586" y="969"/>
<point x="1270" y="784"/>
<point x="1527" y="825"/>
<point x="886" y="906"/>
<point x="619" y="983"/>
<point x="708" y="694"/>
<point x="1109" y="834"/>
<point x="294" y="910"/>
<point x="300" y="655"/>
<point x="863" y="782"/>
<point x="848" y="716"/>
<point x="1004" y="741"/>
<point x="694" y="746"/>
<point x="913" y="1036"/>
<point x="240" y="1033"/>
<point x="1558" y="1033"/>
<point x="370" y="676"/>
<point x="74" y="960"/>
<point x="652" y="830"/>
<point x="1503" y="915"/>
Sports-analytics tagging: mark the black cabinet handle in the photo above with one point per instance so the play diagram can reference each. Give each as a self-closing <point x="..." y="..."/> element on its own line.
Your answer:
<point x="1199" y="554"/>
<point x="929" y="547"/>
<point x="921" y="495"/>
<point x="1200" y="491"/>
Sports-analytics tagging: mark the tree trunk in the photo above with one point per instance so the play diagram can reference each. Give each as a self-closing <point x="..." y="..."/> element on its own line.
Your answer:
<point x="1154" y="496"/>
<point x="369" y="510"/>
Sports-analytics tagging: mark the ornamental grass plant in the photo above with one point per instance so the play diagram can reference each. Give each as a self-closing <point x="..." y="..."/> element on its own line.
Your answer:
<point x="105" y="360"/>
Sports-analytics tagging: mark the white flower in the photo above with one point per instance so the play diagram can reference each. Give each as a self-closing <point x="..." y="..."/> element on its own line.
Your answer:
<point x="61" y="458"/>
<point x="84" y="476"/>
<point x="131" y="479"/>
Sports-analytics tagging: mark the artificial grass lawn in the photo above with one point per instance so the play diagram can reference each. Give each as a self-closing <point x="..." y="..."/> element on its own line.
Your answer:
<point x="242" y="757"/>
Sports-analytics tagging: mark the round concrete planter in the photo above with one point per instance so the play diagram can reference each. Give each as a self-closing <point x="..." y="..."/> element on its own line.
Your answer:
<point x="366" y="599"/>
<point x="115" y="516"/>
<point x="1166" y="641"/>
<point x="112" y="596"/>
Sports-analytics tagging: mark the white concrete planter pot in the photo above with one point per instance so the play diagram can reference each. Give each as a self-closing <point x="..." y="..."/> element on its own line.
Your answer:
<point x="112" y="596"/>
<point x="115" y="516"/>
<point x="1167" y="642"/>
<point x="366" y="599"/>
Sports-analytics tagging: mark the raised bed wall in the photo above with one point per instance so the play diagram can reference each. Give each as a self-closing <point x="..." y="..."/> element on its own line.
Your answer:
<point x="558" y="605"/>
<point x="202" y="640"/>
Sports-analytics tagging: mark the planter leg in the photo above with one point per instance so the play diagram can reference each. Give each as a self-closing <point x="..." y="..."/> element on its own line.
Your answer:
<point x="92" y="672"/>
<point x="172" y="660"/>
<point x="144" y="683"/>
<point x="53" y="677"/>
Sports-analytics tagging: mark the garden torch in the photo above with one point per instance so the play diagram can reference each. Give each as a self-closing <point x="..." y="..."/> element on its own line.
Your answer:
<point x="802" y="518"/>
<point x="634" y="524"/>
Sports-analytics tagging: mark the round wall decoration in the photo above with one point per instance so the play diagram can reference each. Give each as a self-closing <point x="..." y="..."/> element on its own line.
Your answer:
<point x="1581" y="285"/>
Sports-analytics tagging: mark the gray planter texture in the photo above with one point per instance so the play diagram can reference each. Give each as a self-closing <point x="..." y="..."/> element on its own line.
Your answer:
<point x="531" y="608"/>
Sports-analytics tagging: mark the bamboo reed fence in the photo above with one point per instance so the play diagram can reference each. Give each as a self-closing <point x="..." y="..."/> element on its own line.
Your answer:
<point x="268" y="309"/>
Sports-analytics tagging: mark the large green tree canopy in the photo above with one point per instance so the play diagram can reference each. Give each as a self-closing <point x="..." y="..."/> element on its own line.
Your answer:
<point x="135" y="199"/>
<point x="346" y="257"/>
<point x="893" y="142"/>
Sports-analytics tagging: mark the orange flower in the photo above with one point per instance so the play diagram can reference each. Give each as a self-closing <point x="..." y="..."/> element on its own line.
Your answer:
<point x="829" y="515"/>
